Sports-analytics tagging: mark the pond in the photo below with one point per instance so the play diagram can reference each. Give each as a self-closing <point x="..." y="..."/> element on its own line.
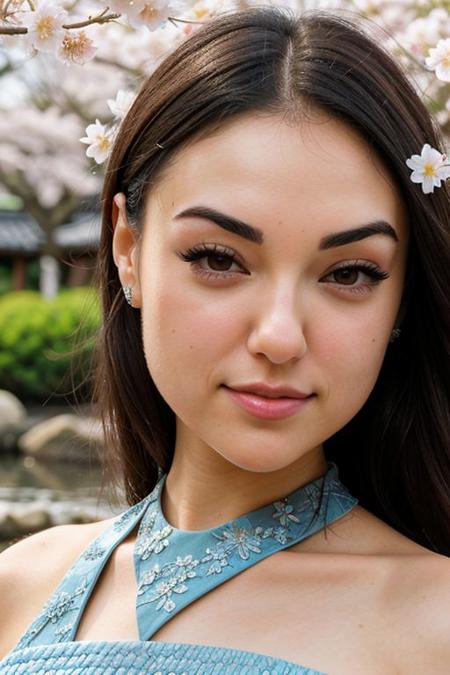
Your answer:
<point x="34" y="494"/>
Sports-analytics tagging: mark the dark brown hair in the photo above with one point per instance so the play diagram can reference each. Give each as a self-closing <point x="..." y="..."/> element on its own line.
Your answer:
<point x="394" y="454"/>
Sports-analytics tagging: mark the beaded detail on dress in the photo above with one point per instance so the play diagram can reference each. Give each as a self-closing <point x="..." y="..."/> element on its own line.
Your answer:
<point x="174" y="568"/>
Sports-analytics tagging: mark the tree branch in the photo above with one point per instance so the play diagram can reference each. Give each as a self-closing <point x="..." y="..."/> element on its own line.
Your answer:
<point x="13" y="30"/>
<point x="100" y="18"/>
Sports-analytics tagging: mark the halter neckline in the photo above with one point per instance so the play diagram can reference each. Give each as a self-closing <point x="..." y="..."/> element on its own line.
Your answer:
<point x="175" y="567"/>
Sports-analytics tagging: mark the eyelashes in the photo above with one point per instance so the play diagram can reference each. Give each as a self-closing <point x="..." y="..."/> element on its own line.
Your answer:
<point x="226" y="257"/>
<point x="220" y="253"/>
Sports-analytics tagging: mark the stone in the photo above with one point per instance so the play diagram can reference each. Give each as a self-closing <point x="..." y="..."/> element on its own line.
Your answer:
<point x="31" y="520"/>
<point x="8" y="527"/>
<point x="66" y="437"/>
<point x="12" y="412"/>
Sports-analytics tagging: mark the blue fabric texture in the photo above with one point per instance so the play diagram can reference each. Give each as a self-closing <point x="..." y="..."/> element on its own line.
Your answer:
<point x="173" y="568"/>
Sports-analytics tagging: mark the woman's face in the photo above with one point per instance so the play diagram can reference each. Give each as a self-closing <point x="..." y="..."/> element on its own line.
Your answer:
<point x="286" y="307"/>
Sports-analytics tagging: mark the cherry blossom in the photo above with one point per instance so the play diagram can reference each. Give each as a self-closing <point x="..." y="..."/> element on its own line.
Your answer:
<point x="153" y="14"/>
<point x="423" y="32"/>
<point x="76" y="48"/>
<point x="120" y="105"/>
<point x="45" y="30"/>
<point x="429" y="168"/>
<point x="439" y="60"/>
<point x="40" y="149"/>
<point x="99" y="141"/>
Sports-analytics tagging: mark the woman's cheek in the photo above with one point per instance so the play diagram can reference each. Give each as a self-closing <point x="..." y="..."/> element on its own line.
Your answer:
<point x="349" y="357"/>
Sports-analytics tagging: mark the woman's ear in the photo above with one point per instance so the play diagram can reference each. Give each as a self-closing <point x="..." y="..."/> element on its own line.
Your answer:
<point x="125" y="248"/>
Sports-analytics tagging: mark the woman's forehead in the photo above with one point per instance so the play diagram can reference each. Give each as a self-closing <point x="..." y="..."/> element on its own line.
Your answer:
<point x="259" y="165"/>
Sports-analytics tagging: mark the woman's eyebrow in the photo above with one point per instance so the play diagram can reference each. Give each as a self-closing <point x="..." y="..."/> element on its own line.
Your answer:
<point x="226" y="222"/>
<point x="357" y="233"/>
<point x="256" y="235"/>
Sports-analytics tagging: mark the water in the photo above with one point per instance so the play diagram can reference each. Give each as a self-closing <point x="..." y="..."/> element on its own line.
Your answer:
<point x="60" y="492"/>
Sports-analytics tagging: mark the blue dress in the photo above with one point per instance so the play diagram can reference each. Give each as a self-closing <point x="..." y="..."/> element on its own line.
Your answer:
<point x="173" y="568"/>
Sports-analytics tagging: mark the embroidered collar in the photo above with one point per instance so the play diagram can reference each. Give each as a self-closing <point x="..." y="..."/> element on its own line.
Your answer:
<point x="175" y="567"/>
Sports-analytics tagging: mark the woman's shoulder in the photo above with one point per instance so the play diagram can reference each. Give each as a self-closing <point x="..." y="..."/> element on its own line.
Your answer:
<point x="411" y="606"/>
<point x="31" y="569"/>
<point x="420" y="607"/>
<point x="402" y="587"/>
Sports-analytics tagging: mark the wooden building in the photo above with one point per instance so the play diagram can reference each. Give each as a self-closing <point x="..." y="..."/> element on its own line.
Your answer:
<point x="22" y="240"/>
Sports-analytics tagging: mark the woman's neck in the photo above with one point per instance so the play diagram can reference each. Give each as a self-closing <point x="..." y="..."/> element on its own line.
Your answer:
<point x="203" y="490"/>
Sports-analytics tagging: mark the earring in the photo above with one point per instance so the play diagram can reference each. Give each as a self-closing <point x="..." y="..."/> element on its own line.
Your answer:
<point x="395" y="334"/>
<point x="128" y="292"/>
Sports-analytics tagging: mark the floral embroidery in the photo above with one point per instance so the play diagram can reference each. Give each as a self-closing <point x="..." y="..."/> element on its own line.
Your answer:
<point x="239" y="538"/>
<point x="56" y="607"/>
<point x="184" y="569"/>
<point x="216" y="554"/>
<point x="152" y="542"/>
<point x="220" y="558"/>
<point x="284" y="512"/>
<point x="279" y="533"/>
<point x="163" y="592"/>
<point x="149" y="577"/>
<point x="130" y="514"/>
<point x="94" y="552"/>
<point x="63" y="631"/>
<point x="53" y="610"/>
<point x="170" y="578"/>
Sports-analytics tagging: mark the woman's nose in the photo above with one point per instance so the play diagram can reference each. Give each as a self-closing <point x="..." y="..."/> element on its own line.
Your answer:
<point x="278" y="329"/>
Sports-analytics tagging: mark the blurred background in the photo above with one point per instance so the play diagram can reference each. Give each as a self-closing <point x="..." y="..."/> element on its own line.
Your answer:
<point x="50" y="186"/>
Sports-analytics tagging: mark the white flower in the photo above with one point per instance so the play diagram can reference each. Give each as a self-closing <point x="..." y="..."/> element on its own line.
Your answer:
<point x="76" y="48"/>
<point x="424" y="32"/>
<point x="429" y="168"/>
<point x="439" y="60"/>
<point x="120" y="105"/>
<point x="99" y="141"/>
<point x="153" y="14"/>
<point x="44" y="25"/>
<point x="121" y="6"/>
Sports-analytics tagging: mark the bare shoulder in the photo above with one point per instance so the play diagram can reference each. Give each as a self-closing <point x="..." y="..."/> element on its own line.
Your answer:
<point x="419" y="603"/>
<point x="31" y="569"/>
<point x="398" y="587"/>
<point x="412" y="586"/>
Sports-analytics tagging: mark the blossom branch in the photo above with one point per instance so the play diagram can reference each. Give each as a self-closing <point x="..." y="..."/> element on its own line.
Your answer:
<point x="13" y="30"/>
<point x="100" y="18"/>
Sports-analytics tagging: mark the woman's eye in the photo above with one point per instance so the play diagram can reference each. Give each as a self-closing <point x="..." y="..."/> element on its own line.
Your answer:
<point x="211" y="261"/>
<point x="216" y="262"/>
<point x="219" y="262"/>
<point x="348" y="276"/>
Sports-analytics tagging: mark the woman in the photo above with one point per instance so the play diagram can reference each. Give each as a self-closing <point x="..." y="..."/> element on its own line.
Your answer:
<point x="275" y="349"/>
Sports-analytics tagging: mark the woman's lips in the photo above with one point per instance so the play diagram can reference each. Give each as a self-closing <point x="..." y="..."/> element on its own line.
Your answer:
<point x="267" y="408"/>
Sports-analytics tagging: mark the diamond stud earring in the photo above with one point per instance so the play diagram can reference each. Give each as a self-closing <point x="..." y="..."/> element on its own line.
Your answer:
<point x="128" y="292"/>
<point x="395" y="334"/>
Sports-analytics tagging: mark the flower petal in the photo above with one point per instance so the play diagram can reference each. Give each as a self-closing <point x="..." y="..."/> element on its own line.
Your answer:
<point x="427" y="184"/>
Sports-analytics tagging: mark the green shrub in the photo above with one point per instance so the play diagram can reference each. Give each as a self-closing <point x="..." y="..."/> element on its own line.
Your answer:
<point x="46" y="345"/>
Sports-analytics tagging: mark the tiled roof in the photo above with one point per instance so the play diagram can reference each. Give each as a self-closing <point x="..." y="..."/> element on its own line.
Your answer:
<point x="20" y="233"/>
<point x="82" y="233"/>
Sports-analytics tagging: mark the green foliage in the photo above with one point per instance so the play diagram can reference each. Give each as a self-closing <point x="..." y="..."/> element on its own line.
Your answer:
<point x="32" y="274"/>
<point x="5" y="278"/>
<point x="46" y="345"/>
